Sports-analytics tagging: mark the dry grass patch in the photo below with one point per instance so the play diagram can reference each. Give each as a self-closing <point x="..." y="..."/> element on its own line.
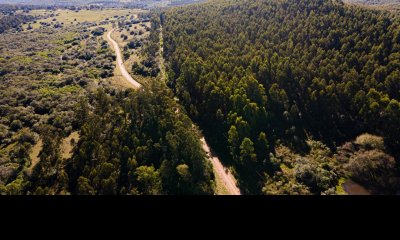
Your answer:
<point x="34" y="155"/>
<point x="220" y="188"/>
<point x="68" y="144"/>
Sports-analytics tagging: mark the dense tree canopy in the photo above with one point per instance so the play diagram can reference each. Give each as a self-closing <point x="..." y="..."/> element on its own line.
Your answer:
<point x="257" y="71"/>
<point x="135" y="143"/>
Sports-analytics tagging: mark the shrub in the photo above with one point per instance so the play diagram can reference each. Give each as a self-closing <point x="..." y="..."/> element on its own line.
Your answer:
<point x="25" y="135"/>
<point x="98" y="31"/>
<point x="4" y="133"/>
<point x="375" y="169"/>
<point x="369" y="142"/>
<point x="134" y="44"/>
<point x="16" y="125"/>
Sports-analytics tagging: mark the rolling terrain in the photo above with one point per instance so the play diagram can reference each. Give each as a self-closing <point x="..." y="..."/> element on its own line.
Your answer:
<point x="225" y="97"/>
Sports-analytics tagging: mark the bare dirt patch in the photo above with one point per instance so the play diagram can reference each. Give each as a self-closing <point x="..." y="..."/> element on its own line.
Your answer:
<point x="353" y="188"/>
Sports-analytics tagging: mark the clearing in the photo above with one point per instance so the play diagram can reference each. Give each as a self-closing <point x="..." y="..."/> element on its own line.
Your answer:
<point x="67" y="145"/>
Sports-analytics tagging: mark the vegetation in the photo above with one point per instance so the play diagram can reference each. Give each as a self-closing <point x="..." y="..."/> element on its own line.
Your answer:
<point x="40" y="84"/>
<point x="148" y="65"/>
<point x="130" y="143"/>
<point x="295" y="97"/>
<point x="124" y="142"/>
<point x="389" y="5"/>
<point x="13" y="21"/>
<point x="257" y="72"/>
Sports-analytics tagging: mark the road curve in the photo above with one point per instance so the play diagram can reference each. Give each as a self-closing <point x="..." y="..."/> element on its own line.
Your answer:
<point x="120" y="63"/>
<point x="226" y="177"/>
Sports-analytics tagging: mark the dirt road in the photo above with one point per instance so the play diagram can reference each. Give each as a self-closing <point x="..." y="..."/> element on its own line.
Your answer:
<point x="222" y="173"/>
<point x="223" y="176"/>
<point x="226" y="177"/>
<point x="353" y="188"/>
<point x="120" y="63"/>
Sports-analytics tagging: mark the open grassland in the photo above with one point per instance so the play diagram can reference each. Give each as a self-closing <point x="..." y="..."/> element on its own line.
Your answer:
<point x="69" y="17"/>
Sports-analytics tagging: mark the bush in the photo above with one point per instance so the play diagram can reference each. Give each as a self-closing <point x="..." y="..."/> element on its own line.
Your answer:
<point x="98" y="31"/>
<point x="134" y="44"/>
<point x="4" y="133"/>
<point x="319" y="177"/>
<point x="25" y="135"/>
<point x="126" y="55"/>
<point x="16" y="125"/>
<point x="8" y="171"/>
<point x="375" y="169"/>
<point x="369" y="142"/>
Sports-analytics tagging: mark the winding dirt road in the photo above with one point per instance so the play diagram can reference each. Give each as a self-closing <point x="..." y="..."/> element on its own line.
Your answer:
<point x="120" y="63"/>
<point x="226" y="177"/>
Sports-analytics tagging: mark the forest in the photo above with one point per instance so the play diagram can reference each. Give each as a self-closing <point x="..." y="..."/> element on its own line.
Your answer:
<point x="130" y="143"/>
<point x="282" y="87"/>
<point x="66" y="128"/>
<point x="293" y="97"/>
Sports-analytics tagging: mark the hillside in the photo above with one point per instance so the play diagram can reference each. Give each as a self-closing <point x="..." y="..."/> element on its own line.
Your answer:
<point x="390" y="5"/>
<point x="374" y="2"/>
<point x="258" y="75"/>
<point x="223" y="97"/>
<point x="52" y="2"/>
<point x="69" y="124"/>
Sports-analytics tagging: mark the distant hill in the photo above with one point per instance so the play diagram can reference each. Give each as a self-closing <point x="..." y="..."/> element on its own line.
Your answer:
<point x="375" y="2"/>
<point x="391" y="5"/>
<point x="53" y="2"/>
<point x="148" y="3"/>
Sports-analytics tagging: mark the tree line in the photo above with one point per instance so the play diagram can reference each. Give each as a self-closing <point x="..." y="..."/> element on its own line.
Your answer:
<point x="14" y="21"/>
